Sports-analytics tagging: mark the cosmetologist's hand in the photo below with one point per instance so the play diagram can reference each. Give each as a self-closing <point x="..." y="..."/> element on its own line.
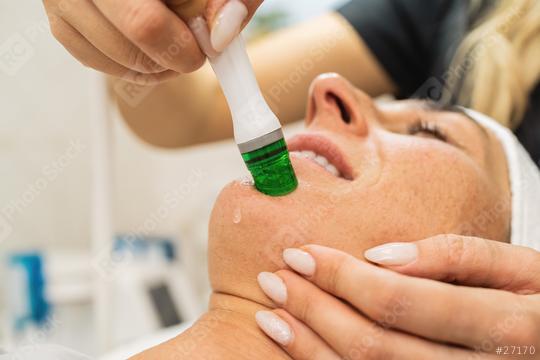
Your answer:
<point x="334" y="306"/>
<point x="144" y="41"/>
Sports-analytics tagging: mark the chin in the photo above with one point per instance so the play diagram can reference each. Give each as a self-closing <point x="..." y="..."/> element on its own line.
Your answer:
<point x="248" y="230"/>
<point x="241" y="223"/>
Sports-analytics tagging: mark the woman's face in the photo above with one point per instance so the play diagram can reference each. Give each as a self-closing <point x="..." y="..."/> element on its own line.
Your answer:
<point x="399" y="172"/>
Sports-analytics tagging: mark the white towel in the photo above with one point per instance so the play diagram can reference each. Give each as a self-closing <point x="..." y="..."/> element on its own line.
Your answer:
<point x="524" y="183"/>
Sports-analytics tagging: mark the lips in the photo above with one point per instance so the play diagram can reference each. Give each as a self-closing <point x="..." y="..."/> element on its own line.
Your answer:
<point x="323" y="152"/>
<point x="319" y="159"/>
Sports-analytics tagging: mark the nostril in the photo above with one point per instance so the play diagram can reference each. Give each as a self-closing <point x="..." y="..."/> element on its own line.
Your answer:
<point x="345" y="114"/>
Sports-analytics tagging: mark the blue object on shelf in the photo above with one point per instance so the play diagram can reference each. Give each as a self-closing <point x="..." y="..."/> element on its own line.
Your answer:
<point x="38" y="309"/>
<point x="141" y="245"/>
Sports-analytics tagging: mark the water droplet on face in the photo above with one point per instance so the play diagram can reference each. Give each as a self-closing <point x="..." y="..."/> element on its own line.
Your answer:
<point x="247" y="181"/>
<point x="237" y="216"/>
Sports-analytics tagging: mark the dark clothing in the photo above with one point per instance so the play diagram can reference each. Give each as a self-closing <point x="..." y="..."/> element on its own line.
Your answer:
<point x="415" y="42"/>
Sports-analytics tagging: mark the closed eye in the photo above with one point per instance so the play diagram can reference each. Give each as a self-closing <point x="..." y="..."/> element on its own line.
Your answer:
<point x="427" y="128"/>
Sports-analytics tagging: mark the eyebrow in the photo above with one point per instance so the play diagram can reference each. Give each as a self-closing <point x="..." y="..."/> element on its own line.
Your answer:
<point x="430" y="105"/>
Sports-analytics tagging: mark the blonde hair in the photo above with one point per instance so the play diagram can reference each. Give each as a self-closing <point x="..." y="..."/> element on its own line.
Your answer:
<point x="500" y="61"/>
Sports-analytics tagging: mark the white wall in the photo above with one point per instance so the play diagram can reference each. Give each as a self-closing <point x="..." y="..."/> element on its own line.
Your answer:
<point x="43" y="110"/>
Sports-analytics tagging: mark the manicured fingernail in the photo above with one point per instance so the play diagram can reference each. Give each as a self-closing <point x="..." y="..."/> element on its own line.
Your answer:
<point x="274" y="327"/>
<point x="273" y="287"/>
<point x="200" y="30"/>
<point x="300" y="261"/>
<point x="227" y="24"/>
<point x="392" y="254"/>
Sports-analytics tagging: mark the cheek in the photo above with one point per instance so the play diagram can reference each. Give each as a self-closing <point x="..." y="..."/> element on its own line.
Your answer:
<point x="423" y="189"/>
<point x="230" y="233"/>
<point x="248" y="232"/>
<point x="443" y="189"/>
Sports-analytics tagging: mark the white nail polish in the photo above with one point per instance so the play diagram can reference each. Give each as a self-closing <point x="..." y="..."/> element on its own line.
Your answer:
<point x="273" y="287"/>
<point x="227" y="24"/>
<point x="199" y="27"/>
<point x="392" y="254"/>
<point x="274" y="327"/>
<point x="300" y="261"/>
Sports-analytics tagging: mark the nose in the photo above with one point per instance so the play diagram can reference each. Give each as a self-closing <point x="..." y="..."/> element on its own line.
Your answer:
<point x="335" y="104"/>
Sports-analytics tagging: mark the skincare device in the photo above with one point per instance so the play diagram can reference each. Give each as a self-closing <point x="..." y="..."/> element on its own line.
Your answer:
<point x="257" y="130"/>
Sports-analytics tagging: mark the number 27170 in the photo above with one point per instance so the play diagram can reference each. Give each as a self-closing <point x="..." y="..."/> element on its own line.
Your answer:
<point x="518" y="350"/>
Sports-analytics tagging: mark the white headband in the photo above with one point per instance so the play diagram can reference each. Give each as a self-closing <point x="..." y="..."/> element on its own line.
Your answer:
<point x="524" y="183"/>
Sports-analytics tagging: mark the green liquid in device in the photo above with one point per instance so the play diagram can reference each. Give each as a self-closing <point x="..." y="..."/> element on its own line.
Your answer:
<point x="271" y="169"/>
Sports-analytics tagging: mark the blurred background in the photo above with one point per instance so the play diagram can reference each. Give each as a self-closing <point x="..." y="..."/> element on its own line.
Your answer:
<point x="102" y="238"/>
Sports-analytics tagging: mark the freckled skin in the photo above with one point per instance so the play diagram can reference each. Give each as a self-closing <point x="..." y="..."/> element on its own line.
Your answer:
<point x="405" y="188"/>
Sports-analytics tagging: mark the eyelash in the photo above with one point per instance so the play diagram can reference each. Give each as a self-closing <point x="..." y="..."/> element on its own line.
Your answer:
<point x="427" y="128"/>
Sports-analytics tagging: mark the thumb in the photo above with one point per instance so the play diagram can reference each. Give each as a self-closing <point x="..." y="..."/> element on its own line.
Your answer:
<point x="227" y="18"/>
<point x="464" y="260"/>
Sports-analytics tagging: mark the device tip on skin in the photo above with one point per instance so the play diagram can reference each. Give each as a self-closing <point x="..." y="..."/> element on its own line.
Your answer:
<point x="270" y="166"/>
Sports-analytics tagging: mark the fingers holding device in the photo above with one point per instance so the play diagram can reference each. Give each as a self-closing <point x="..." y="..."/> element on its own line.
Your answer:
<point x="148" y="41"/>
<point x="144" y="41"/>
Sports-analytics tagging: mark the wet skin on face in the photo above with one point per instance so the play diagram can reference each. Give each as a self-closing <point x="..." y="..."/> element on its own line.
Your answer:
<point x="405" y="171"/>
